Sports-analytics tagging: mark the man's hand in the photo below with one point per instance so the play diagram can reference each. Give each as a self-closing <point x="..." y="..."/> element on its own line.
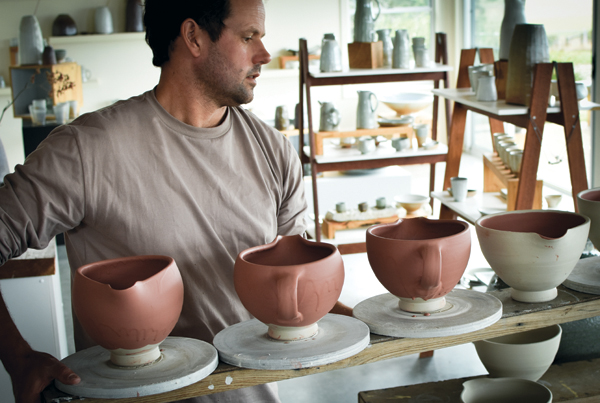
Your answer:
<point x="34" y="372"/>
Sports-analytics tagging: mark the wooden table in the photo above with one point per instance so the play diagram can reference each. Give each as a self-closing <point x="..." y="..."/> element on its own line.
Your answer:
<point x="517" y="317"/>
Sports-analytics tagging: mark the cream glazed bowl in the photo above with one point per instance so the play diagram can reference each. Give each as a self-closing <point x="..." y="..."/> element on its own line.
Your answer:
<point x="525" y="355"/>
<point x="533" y="251"/>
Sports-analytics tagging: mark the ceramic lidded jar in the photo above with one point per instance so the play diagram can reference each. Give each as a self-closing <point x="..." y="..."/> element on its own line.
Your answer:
<point x="533" y="251"/>
<point x="419" y="260"/>
<point x="129" y="305"/>
<point x="588" y="202"/>
<point x="289" y="284"/>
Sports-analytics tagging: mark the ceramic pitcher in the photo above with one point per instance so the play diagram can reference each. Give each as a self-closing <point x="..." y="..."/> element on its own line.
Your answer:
<point x="365" y="112"/>
<point x="331" y="55"/>
<point x="330" y="117"/>
<point x="364" y="22"/>
<point x="401" y="54"/>
<point x="384" y="36"/>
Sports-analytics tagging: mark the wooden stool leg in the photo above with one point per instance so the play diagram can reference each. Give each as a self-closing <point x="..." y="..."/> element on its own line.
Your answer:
<point x="426" y="354"/>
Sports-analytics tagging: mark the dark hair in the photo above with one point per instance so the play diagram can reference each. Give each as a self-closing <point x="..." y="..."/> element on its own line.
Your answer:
<point x="163" y="19"/>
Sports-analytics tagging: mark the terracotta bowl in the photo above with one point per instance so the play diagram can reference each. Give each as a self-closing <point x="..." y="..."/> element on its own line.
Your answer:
<point x="129" y="305"/>
<point x="407" y="102"/>
<point x="588" y="203"/>
<point x="526" y="355"/>
<point x="411" y="202"/>
<point x="533" y="251"/>
<point x="289" y="284"/>
<point x="503" y="390"/>
<point x="419" y="260"/>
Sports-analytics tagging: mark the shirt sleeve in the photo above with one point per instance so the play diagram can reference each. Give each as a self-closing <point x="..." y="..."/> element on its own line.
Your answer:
<point x="43" y="197"/>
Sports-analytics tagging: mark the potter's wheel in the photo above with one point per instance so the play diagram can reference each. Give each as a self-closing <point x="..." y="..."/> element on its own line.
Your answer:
<point x="183" y="362"/>
<point x="585" y="277"/>
<point x="247" y="344"/>
<point x="465" y="311"/>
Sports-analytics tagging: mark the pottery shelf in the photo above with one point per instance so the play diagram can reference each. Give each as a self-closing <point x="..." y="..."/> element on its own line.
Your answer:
<point x="316" y="153"/>
<point x="57" y="41"/>
<point x="517" y="317"/>
<point x="497" y="176"/>
<point x="329" y="227"/>
<point x="532" y="118"/>
<point x="380" y="131"/>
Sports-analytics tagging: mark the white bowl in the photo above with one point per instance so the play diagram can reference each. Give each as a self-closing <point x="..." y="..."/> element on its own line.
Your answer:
<point x="504" y="390"/>
<point x="526" y="355"/>
<point x="533" y="251"/>
<point x="411" y="202"/>
<point x="407" y="102"/>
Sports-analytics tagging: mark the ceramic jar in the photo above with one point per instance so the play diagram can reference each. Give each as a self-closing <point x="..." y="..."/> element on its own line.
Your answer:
<point x="31" y="43"/>
<point x="103" y="20"/>
<point x="401" y="52"/>
<point x="529" y="47"/>
<point x="289" y="284"/>
<point x="129" y="305"/>
<point x="64" y="25"/>
<point x="533" y="251"/>
<point x="134" y="16"/>
<point x="331" y="56"/>
<point x="588" y="203"/>
<point x="525" y="355"/>
<point x="384" y="35"/>
<point x="514" y="13"/>
<point x="419" y="260"/>
<point x="364" y="21"/>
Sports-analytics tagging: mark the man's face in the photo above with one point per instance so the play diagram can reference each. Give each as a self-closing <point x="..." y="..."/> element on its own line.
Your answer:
<point x="234" y="61"/>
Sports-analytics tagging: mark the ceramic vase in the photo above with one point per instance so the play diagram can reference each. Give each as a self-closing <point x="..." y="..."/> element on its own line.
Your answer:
<point x="588" y="203"/>
<point x="514" y="13"/>
<point x="134" y="16"/>
<point x="533" y="251"/>
<point x="289" y="284"/>
<point x="384" y="35"/>
<point x="129" y="305"/>
<point x="103" y="20"/>
<point x="31" y="43"/>
<point x="331" y="56"/>
<point x="64" y="25"/>
<point x="419" y="260"/>
<point x="364" y="21"/>
<point x="48" y="56"/>
<point x="525" y="355"/>
<point x="401" y="52"/>
<point x="529" y="46"/>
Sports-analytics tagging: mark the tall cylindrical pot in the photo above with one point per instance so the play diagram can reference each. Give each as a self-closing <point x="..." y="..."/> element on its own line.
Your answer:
<point x="103" y="20"/>
<point x="384" y="35"/>
<point x="31" y="43"/>
<point x="529" y="46"/>
<point x="514" y="13"/>
<point x="133" y="16"/>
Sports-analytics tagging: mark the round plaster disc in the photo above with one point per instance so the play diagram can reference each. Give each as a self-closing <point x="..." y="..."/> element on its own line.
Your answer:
<point x="585" y="277"/>
<point x="247" y="344"/>
<point x="183" y="362"/>
<point x="465" y="311"/>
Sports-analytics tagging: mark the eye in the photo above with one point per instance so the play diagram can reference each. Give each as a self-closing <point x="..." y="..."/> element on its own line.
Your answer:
<point x="247" y="39"/>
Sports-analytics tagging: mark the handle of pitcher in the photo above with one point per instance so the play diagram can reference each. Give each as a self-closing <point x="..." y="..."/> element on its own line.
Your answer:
<point x="378" y="10"/>
<point x="374" y="108"/>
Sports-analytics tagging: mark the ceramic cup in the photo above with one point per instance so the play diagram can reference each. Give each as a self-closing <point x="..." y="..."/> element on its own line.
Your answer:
<point x="588" y="203"/>
<point x="422" y="133"/>
<point x="459" y="188"/>
<point x="419" y="260"/>
<point x="381" y="203"/>
<point x="289" y="284"/>
<point x="129" y="305"/>
<point x="474" y="70"/>
<point x="38" y="115"/>
<point x="486" y="88"/>
<point x="61" y="112"/>
<point x="401" y="143"/>
<point x="533" y="251"/>
<point x="515" y="158"/>
<point x="366" y="144"/>
<point x="340" y="207"/>
<point x="504" y="390"/>
<point x="282" y="119"/>
<point x="499" y="137"/>
<point x="525" y="355"/>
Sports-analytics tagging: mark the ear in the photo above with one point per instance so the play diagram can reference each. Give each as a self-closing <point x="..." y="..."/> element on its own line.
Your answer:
<point x="192" y="36"/>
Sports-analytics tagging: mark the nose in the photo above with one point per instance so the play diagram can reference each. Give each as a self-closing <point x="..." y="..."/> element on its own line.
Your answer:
<point x="262" y="56"/>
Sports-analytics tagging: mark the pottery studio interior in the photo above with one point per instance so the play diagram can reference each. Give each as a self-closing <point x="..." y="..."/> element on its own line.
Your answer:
<point x="425" y="165"/>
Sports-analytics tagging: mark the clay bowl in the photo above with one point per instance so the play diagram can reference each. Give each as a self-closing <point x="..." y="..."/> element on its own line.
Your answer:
<point x="411" y="202"/>
<point x="407" y="102"/>
<point x="129" y="305"/>
<point x="502" y="390"/>
<point x="419" y="260"/>
<point x="289" y="284"/>
<point x="588" y="202"/>
<point x="526" y="355"/>
<point x="533" y="251"/>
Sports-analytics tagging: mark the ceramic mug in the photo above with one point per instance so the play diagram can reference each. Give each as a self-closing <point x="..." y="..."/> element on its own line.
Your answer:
<point x="366" y="144"/>
<point x="422" y="133"/>
<point x="459" y="188"/>
<point x="419" y="260"/>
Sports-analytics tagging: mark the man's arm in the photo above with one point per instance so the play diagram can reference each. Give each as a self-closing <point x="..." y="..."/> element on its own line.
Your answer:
<point x="30" y="371"/>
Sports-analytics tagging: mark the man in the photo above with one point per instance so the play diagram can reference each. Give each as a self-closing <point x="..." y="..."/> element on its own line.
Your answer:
<point x="180" y="170"/>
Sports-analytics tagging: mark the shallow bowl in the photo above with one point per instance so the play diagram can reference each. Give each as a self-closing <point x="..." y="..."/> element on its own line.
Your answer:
<point x="588" y="202"/>
<point x="533" y="251"/>
<point x="411" y="202"/>
<point x="526" y="355"/>
<point x="503" y="390"/>
<point x="407" y="102"/>
<point x="289" y="284"/>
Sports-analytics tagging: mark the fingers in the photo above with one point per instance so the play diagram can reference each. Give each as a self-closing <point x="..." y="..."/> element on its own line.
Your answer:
<point x="65" y="375"/>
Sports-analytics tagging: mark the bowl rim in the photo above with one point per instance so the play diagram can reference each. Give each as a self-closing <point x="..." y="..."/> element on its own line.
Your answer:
<point x="478" y="223"/>
<point x="557" y="334"/>
<point x="584" y="192"/>
<point x="376" y="226"/>
<point x="411" y="198"/>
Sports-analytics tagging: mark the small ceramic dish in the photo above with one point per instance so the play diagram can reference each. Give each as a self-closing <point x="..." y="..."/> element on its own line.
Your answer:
<point x="411" y="202"/>
<point x="395" y="121"/>
<point x="431" y="144"/>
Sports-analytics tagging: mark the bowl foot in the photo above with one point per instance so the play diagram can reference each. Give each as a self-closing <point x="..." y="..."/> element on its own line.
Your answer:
<point x="534" y="296"/>
<point x="419" y="305"/>
<point x="292" y="332"/>
<point x="123" y="357"/>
